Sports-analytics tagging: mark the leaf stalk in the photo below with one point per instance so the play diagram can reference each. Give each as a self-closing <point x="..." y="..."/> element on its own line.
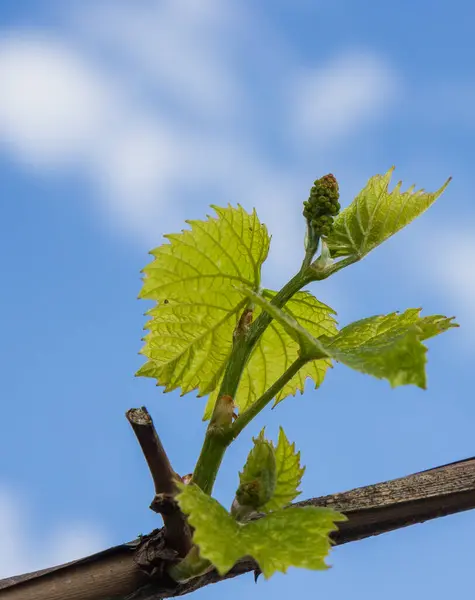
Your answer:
<point x="217" y="440"/>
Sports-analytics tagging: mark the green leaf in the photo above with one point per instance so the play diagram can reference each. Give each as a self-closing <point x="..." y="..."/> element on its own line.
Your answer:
<point x="288" y="474"/>
<point x="258" y="478"/>
<point x="376" y="214"/>
<point x="277" y="350"/>
<point x="388" y="346"/>
<point x="216" y="532"/>
<point x="385" y="346"/>
<point x="193" y="280"/>
<point x="295" y="537"/>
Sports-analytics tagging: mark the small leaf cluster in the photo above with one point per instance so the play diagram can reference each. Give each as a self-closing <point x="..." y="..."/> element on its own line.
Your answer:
<point x="270" y="478"/>
<point x="258" y="478"/>
<point x="322" y="205"/>
<point x="296" y="536"/>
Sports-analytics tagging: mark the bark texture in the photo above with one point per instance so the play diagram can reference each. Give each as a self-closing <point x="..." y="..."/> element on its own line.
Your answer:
<point x="137" y="570"/>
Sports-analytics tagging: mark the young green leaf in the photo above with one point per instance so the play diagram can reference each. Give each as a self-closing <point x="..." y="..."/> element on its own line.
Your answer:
<point x="258" y="478"/>
<point x="294" y="537"/>
<point x="388" y="346"/>
<point x="276" y="351"/>
<point x="193" y="279"/>
<point x="288" y="474"/>
<point x="375" y="215"/>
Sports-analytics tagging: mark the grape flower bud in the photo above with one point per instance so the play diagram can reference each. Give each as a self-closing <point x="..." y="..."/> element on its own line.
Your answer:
<point x="322" y="205"/>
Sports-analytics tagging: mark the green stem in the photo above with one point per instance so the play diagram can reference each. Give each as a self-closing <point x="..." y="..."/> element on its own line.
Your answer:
<point x="298" y="281"/>
<point x="221" y="431"/>
<point x="193" y="564"/>
<point x="218" y="435"/>
<point x="216" y="439"/>
<point x="317" y="274"/>
<point x="311" y="246"/>
<point x="246" y="417"/>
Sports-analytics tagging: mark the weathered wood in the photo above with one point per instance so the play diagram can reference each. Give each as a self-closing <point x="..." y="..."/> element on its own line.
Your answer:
<point x="371" y="510"/>
<point x="177" y="533"/>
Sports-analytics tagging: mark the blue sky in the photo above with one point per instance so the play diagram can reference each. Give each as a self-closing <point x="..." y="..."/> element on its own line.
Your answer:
<point x="118" y="120"/>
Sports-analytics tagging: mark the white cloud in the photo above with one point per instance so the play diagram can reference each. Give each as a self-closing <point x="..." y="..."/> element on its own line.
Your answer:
<point x="443" y="262"/>
<point x="337" y="99"/>
<point x="58" y="110"/>
<point x="52" y="103"/>
<point x="149" y="103"/>
<point x="20" y="552"/>
<point x="453" y="272"/>
<point x="134" y="169"/>
<point x="173" y="47"/>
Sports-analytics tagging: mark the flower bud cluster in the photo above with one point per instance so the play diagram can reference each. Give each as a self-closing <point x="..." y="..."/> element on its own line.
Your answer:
<point x="322" y="205"/>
